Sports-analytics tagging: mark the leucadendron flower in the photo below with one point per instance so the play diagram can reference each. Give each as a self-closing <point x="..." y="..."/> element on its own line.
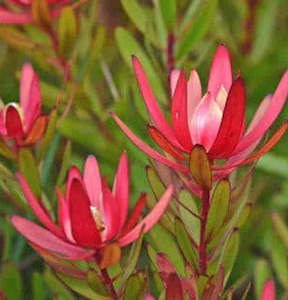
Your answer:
<point x="214" y="121"/>
<point x="30" y="11"/>
<point x="23" y="123"/>
<point x="92" y="219"/>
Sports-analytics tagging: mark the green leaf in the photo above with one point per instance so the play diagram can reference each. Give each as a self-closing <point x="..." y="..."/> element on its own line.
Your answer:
<point x="199" y="28"/>
<point x="229" y="254"/>
<point x="168" y="9"/>
<point x="29" y="170"/>
<point x="65" y="164"/>
<point x="184" y="242"/>
<point x="139" y="16"/>
<point x="5" y="151"/>
<point x="200" y="167"/>
<point x="280" y="228"/>
<point x="11" y="282"/>
<point x="96" y="283"/>
<point x="279" y="260"/>
<point x="261" y="274"/>
<point x="38" y="287"/>
<point x="267" y="13"/>
<point x="67" y="31"/>
<point x="163" y="241"/>
<point x="81" y="287"/>
<point x="128" y="46"/>
<point x="188" y="211"/>
<point x="131" y="261"/>
<point x="136" y="286"/>
<point x="218" y="208"/>
<point x="46" y="141"/>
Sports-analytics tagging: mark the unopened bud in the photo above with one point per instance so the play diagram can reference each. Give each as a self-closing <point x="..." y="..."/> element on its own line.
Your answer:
<point x="200" y="167"/>
<point x="111" y="255"/>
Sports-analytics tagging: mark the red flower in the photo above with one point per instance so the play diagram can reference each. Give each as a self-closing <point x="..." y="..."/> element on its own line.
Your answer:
<point x="23" y="122"/>
<point x="22" y="14"/>
<point x="215" y="120"/>
<point x="90" y="215"/>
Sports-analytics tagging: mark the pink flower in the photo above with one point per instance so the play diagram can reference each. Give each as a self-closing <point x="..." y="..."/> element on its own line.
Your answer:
<point x="268" y="291"/>
<point x="22" y="11"/>
<point x="90" y="215"/>
<point x="215" y="120"/>
<point x="23" y="122"/>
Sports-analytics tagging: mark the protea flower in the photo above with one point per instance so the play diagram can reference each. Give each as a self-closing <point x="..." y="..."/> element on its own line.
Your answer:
<point x="91" y="217"/>
<point x="23" y="122"/>
<point x="214" y="121"/>
<point x="22" y="12"/>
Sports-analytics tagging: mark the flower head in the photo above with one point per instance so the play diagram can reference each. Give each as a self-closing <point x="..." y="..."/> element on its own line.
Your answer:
<point x="214" y="120"/>
<point x="91" y="217"/>
<point x="23" y="122"/>
<point x="21" y="11"/>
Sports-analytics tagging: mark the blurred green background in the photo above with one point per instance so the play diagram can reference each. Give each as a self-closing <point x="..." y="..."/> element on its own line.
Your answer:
<point x="109" y="32"/>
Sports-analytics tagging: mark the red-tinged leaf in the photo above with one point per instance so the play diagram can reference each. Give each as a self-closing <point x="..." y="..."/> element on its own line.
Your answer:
<point x="164" y="144"/>
<point x="36" y="131"/>
<point x="179" y="113"/>
<point x="13" y="122"/>
<point x="268" y="146"/>
<point x="135" y="215"/>
<point x="83" y="225"/>
<point x="174" y="288"/>
<point x="232" y="122"/>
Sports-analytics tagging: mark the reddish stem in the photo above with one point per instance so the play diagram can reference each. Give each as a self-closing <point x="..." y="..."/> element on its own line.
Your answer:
<point x="170" y="52"/>
<point x="109" y="284"/>
<point x="202" y="246"/>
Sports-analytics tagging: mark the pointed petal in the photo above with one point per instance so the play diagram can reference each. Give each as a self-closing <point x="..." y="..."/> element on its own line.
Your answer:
<point x="179" y="113"/>
<point x="205" y="122"/>
<point x="93" y="183"/>
<point x="135" y="215"/>
<point x="147" y="149"/>
<point x="47" y="240"/>
<point x="269" y="145"/>
<point x="2" y="123"/>
<point x="38" y="209"/>
<point x="174" y="76"/>
<point x="7" y="17"/>
<point x="233" y="118"/>
<point x="111" y="216"/>
<point x="121" y="188"/>
<point x="64" y="216"/>
<point x="83" y="226"/>
<point x="74" y="173"/>
<point x="260" y="113"/>
<point x="277" y="102"/>
<point x="150" y="220"/>
<point x="13" y="122"/>
<point x="220" y="72"/>
<point x="239" y="157"/>
<point x="194" y="93"/>
<point x="268" y="291"/>
<point x="152" y="106"/>
<point x="164" y="144"/>
<point x="30" y="96"/>
<point x="37" y="130"/>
